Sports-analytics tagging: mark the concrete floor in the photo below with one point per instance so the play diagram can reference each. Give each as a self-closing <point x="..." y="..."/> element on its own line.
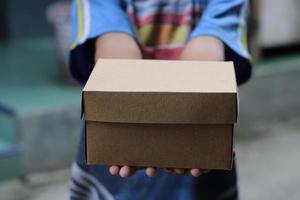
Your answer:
<point x="43" y="186"/>
<point x="269" y="162"/>
<point x="267" y="145"/>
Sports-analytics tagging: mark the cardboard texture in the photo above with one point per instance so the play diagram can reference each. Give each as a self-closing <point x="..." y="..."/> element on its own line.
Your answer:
<point x="160" y="113"/>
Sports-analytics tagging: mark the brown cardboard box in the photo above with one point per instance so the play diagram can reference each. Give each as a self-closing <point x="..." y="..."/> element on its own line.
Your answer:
<point x="160" y="113"/>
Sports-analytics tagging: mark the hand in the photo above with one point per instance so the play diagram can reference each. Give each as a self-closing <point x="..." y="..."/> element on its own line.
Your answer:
<point x="127" y="171"/>
<point x="200" y="48"/>
<point x="205" y="48"/>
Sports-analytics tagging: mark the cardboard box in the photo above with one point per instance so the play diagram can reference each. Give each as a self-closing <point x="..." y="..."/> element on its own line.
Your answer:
<point x="160" y="113"/>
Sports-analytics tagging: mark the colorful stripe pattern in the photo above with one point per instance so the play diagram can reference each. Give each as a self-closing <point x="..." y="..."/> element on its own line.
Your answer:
<point x="163" y="27"/>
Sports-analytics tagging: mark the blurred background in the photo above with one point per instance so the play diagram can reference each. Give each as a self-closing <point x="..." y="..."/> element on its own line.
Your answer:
<point x="40" y="104"/>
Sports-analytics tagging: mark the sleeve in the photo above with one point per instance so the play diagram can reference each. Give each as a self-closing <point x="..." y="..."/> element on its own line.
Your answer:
<point x="225" y="19"/>
<point x="90" y="19"/>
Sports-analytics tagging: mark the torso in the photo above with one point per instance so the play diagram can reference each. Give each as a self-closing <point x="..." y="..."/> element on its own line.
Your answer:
<point x="162" y="26"/>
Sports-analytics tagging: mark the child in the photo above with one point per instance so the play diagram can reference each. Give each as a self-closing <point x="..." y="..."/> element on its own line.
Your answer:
<point x="155" y="29"/>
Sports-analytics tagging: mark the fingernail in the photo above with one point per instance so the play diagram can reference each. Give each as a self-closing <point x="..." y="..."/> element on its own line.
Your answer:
<point x="113" y="170"/>
<point x="179" y="171"/>
<point x="195" y="172"/>
<point x="150" y="172"/>
<point x="124" y="171"/>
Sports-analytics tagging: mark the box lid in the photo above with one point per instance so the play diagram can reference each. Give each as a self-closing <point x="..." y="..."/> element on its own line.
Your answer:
<point x="157" y="91"/>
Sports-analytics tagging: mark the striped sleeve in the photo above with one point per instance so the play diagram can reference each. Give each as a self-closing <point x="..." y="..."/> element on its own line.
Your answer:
<point x="92" y="18"/>
<point x="224" y="19"/>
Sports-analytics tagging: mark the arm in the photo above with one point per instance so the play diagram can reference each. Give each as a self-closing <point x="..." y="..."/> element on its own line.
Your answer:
<point x="108" y="46"/>
<point x="204" y="48"/>
<point x="99" y="27"/>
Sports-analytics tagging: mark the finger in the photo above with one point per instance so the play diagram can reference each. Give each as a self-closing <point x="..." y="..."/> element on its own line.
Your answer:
<point x="179" y="171"/>
<point x="167" y="170"/>
<point x="195" y="172"/>
<point x="114" y="170"/>
<point x="150" y="171"/>
<point x="126" y="171"/>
